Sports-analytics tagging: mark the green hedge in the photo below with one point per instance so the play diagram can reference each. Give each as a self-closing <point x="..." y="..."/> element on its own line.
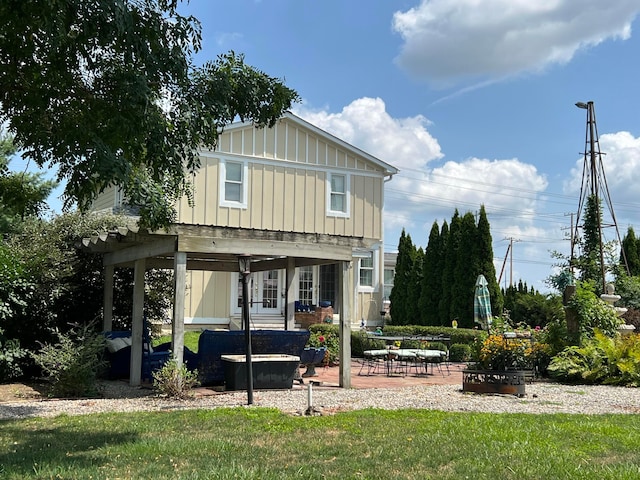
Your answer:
<point x="463" y="336"/>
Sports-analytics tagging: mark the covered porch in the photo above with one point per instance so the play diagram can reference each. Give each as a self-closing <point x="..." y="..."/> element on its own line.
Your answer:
<point x="216" y="249"/>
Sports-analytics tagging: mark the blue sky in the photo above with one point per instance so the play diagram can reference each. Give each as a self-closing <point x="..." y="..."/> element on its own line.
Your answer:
<point x="472" y="100"/>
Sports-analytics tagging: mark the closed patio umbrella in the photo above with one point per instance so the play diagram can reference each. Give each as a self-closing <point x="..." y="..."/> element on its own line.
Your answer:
<point x="482" y="304"/>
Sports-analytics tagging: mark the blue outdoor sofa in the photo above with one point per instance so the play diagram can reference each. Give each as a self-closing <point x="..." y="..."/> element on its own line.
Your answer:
<point x="212" y="344"/>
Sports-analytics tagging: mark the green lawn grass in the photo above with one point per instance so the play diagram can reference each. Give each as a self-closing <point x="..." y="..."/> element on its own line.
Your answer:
<point x="257" y="443"/>
<point x="190" y="340"/>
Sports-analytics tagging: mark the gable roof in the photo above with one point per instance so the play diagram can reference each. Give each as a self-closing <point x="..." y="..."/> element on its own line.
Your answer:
<point x="389" y="170"/>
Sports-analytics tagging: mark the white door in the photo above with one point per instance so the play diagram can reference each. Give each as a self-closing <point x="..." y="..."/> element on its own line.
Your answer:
<point x="265" y="293"/>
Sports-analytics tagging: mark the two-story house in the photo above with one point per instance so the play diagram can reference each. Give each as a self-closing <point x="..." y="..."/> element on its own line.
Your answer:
<point x="304" y="204"/>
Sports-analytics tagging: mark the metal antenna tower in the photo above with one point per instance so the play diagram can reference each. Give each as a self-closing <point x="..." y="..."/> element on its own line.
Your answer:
<point x="594" y="183"/>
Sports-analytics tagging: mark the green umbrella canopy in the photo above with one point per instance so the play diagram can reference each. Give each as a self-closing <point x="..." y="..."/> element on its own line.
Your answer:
<point x="482" y="304"/>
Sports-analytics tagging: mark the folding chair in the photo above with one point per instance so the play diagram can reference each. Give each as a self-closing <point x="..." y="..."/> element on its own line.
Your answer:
<point x="373" y="357"/>
<point x="431" y="358"/>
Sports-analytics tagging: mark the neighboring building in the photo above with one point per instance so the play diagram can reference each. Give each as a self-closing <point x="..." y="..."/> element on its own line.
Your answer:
<point x="296" y="198"/>
<point x="390" y="260"/>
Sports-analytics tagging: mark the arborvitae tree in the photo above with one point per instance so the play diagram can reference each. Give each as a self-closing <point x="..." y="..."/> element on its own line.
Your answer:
<point x="485" y="256"/>
<point x="415" y="289"/>
<point x="630" y="248"/>
<point x="431" y="279"/>
<point x="448" y="272"/>
<point x="444" y="239"/>
<point x="465" y="273"/>
<point x="399" y="297"/>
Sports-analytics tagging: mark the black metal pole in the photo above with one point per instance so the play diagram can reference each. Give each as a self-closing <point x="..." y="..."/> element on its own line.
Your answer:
<point x="247" y="335"/>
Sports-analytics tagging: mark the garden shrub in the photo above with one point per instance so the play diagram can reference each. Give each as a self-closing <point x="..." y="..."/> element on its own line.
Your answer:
<point x="330" y="339"/>
<point x="10" y="357"/>
<point x="497" y="353"/>
<point x="600" y="360"/>
<point x="175" y="381"/>
<point x="74" y="363"/>
<point x="593" y="314"/>
<point x="460" y="352"/>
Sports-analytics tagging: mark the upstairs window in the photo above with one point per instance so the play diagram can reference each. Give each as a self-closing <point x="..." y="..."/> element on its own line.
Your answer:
<point x="338" y="195"/>
<point x="233" y="184"/>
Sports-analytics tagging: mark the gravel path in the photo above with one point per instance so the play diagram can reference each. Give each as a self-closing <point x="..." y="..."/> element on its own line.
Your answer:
<point x="540" y="397"/>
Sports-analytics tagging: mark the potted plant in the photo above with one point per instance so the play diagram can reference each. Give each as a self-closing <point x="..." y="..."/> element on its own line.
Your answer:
<point x="505" y="361"/>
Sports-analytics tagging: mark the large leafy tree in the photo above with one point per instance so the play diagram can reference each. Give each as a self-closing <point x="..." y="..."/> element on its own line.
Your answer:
<point x="22" y="194"/>
<point x="56" y="285"/>
<point x="107" y="90"/>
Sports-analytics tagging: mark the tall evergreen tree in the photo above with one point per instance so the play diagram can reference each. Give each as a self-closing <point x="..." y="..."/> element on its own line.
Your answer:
<point x="630" y="248"/>
<point x="465" y="272"/>
<point x="444" y="240"/>
<point x="415" y="288"/>
<point x="431" y="290"/>
<point x="448" y="271"/>
<point x="399" y="297"/>
<point x="485" y="256"/>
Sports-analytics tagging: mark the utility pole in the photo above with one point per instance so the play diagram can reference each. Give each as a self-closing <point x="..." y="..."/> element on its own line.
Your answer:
<point x="510" y="255"/>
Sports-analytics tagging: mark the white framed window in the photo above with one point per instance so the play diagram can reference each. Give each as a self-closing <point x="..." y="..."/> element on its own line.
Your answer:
<point x="366" y="272"/>
<point x="389" y="274"/>
<point x="368" y="268"/>
<point x="233" y="184"/>
<point x="305" y="285"/>
<point x="338" y="203"/>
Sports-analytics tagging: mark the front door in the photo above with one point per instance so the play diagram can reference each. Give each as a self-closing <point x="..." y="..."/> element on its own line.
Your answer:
<point x="265" y="293"/>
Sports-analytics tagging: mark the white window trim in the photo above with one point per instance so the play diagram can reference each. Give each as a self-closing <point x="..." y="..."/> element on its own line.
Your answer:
<point x="245" y="184"/>
<point x="375" y="275"/>
<point x="347" y="187"/>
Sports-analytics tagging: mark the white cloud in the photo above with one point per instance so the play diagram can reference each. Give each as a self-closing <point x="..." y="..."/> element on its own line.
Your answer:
<point x="365" y="123"/>
<point x="424" y="192"/>
<point x="621" y="164"/>
<point x="446" y="42"/>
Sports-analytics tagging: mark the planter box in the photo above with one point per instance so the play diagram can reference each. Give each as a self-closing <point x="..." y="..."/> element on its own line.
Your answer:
<point x="270" y="371"/>
<point x="494" y="381"/>
<point x="305" y="320"/>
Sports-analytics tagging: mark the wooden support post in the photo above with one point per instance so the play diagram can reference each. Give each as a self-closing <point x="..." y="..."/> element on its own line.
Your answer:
<point x="107" y="302"/>
<point x="137" y="324"/>
<point x="345" y="272"/>
<point x="177" y="322"/>
<point x="290" y="296"/>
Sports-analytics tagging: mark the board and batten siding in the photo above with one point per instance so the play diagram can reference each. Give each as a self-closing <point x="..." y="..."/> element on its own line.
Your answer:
<point x="207" y="297"/>
<point x="105" y="201"/>
<point x="288" y="169"/>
